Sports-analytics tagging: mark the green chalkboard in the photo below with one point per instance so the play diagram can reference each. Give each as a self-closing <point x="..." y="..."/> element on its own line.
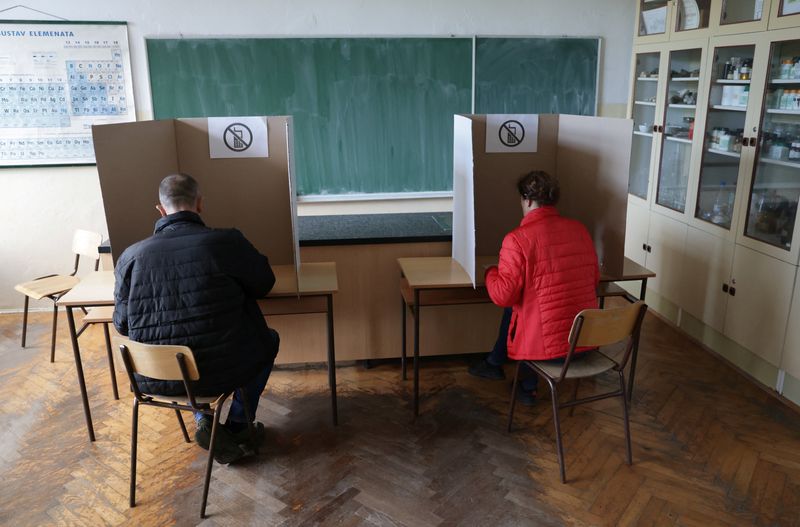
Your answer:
<point x="536" y="75"/>
<point x="370" y="114"/>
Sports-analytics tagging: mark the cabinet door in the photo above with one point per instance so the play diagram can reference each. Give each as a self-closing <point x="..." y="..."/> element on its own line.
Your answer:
<point x="784" y="14"/>
<point x="685" y="75"/>
<point x="770" y="218"/>
<point x="739" y="16"/>
<point x="667" y="237"/>
<point x="725" y="129"/>
<point x="636" y="226"/>
<point x="653" y="20"/>
<point x="758" y="310"/>
<point x="790" y="359"/>
<point x="690" y="19"/>
<point x="646" y="85"/>
<point x="707" y="266"/>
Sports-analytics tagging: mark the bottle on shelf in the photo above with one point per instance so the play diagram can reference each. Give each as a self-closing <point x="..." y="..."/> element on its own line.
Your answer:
<point x="786" y="69"/>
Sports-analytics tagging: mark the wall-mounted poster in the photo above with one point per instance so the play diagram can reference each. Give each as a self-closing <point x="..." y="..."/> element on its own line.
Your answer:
<point x="57" y="79"/>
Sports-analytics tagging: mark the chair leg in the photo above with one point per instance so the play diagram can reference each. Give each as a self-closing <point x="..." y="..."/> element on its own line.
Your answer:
<point x="513" y="402"/>
<point x="628" y="453"/>
<point x="53" y="336"/>
<point x="211" y="446"/>
<point x="110" y="361"/>
<point x="25" y="320"/>
<point x="574" y="396"/>
<point x="134" y="441"/>
<point x="250" y="420"/>
<point x="183" y="426"/>
<point x="557" y="423"/>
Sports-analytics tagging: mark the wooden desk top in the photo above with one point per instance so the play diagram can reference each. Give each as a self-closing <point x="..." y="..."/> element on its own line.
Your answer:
<point x="315" y="279"/>
<point x="430" y="272"/>
<point x="630" y="271"/>
<point x="97" y="289"/>
<point x="94" y="289"/>
<point x="441" y="272"/>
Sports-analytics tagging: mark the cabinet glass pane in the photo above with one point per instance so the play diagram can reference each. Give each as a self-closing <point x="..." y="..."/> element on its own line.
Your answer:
<point x="722" y="143"/>
<point x="692" y="14"/>
<point x="776" y="183"/>
<point x="644" y="111"/>
<point x="739" y="11"/>
<point x="789" y="7"/>
<point x="679" y="112"/>
<point x="652" y="17"/>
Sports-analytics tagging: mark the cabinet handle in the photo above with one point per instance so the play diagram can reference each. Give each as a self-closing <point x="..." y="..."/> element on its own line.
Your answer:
<point x="655" y="128"/>
<point x="724" y="288"/>
<point x="753" y="141"/>
<point x="644" y="246"/>
<point x="732" y="291"/>
<point x="660" y="129"/>
<point x="649" y="249"/>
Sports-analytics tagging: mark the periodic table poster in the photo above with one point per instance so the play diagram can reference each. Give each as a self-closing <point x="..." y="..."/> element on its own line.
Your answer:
<point x="57" y="79"/>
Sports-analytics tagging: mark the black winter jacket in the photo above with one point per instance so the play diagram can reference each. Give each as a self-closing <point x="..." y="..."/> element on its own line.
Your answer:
<point x="195" y="286"/>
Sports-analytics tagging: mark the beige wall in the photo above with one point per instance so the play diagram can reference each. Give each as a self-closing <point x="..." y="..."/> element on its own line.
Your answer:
<point x="40" y="208"/>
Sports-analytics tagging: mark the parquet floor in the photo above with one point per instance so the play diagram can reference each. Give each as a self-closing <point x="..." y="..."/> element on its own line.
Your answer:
<point x="709" y="449"/>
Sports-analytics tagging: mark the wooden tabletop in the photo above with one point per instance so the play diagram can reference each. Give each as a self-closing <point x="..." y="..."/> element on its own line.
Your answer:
<point x="315" y="279"/>
<point x="434" y="272"/>
<point x="94" y="289"/>
<point x="630" y="271"/>
<point x="97" y="289"/>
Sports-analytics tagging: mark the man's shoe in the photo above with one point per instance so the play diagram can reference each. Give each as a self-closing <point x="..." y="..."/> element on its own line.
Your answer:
<point x="482" y="368"/>
<point x="243" y="437"/>
<point x="226" y="450"/>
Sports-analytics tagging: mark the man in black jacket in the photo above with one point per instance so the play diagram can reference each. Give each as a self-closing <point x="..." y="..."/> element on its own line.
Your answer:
<point x="195" y="286"/>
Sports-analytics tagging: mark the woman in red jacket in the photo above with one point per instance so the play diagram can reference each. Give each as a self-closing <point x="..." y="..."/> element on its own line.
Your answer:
<point x="547" y="273"/>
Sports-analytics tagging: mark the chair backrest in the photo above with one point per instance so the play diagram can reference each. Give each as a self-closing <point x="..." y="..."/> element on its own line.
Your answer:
<point x="601" y="327"/>
<point x="86" y="243"/>
<point x="158" y="361"/>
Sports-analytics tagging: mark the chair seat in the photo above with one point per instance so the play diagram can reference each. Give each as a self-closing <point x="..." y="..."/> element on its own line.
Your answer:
<point x="99" y="315"/>
<point x="182" y="399"/>
<point x="38" y="289"/>
<point x="592" y="363"/>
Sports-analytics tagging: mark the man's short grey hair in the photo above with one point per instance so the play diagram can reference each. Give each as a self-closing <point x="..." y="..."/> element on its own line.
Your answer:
<point x="178" y="191"/>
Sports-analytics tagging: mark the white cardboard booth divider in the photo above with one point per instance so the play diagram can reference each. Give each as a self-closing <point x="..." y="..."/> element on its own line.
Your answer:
<point x="589" y="155"/>
<point x="253" y="194"/>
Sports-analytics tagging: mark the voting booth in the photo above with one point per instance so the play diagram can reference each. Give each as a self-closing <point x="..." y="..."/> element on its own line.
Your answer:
<point x="589" y="155"/>
<point x="244" y="166"/>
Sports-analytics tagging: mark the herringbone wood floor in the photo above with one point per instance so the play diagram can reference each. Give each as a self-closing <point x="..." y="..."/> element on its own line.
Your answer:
<point x="709" y="449"/>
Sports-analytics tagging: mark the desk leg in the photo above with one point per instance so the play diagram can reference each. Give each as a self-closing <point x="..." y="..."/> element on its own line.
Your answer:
<point x="403" y="331"/>
<point x="110" y="361"/>
<point x="635" y="353"/>
<point x="332" y="362"/>
<point x="416" y="352"/>
<point x="79" y="367"/>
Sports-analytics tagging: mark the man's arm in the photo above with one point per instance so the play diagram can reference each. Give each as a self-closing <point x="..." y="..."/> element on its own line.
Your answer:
<point x="250" y="268"/>
<point x="122" y="287"/>
<point x="504" y="282"/>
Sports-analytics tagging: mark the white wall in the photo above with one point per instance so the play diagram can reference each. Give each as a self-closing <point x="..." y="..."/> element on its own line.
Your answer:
<point x="40" y="208"/>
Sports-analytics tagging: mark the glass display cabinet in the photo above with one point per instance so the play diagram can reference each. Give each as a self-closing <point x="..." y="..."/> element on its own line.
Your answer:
<point x="677" y="132"/>
<point x="775" y="188"/>
<point x="730" y="77"/>
<point x="643" y="113"/>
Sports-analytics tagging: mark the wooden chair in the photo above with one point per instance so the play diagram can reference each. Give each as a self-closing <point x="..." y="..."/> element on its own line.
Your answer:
<point x="172" y="363"/>
<point x="84" y="243"/>
<point x="593" y="328"/>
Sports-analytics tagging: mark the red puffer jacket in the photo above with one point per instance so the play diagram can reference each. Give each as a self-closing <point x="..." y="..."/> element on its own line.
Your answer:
<point x="548" y="273"/>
